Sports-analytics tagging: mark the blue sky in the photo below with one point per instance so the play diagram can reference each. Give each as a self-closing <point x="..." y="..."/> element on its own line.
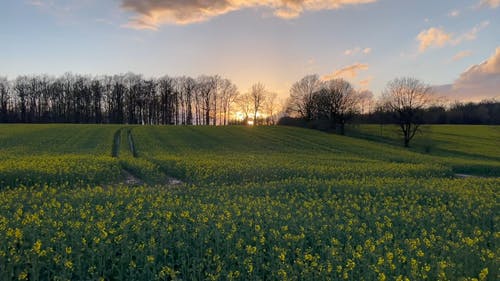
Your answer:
<point x="368" y="42"/>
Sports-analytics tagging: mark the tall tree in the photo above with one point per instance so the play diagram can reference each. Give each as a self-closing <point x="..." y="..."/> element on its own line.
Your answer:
<point x="207" y="86"/>
<point x="4" y="98"/>
<point x="301" y="101"/>
<point x="342" y="100"/>
<point x="228" y="94"/>
<point x="258" y="97"/>
<point x="270" y="107"/>
<point x="406" y="98"/>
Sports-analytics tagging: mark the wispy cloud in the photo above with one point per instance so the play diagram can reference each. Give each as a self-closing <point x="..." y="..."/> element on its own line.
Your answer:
<point x="461" y="55"/>
<point x="357" y="50"/>
<point x="471" y="34"/>
<point x="150" y="14"/>
<point x="490" y="3"/>
<point x="364" y="84"/>
<point x="438" y="37"/>
<point x="348" y="72"/>
<point x="454" y="13"/>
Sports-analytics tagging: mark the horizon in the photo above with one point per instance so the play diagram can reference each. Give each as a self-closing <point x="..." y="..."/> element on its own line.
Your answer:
<point x="452" y="45"/>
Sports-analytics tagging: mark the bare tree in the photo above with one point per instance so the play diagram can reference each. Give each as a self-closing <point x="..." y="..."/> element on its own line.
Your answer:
<point x="301" y="96"/>
<point x="207" y="86"/>
<point x="330" y="104"/>
<point x="189" y="88"/>
<point x="228" y="94"/>
<point x="270" y="107"/>
<point x="341" y="102"/>
<point x="365" y="101"/>
<point x="125" y="98"/>
<point x="4" y="98"/>
<point x="257" y="97"/>
<point x="244" y="103"/>
<point x="407" y="97"/>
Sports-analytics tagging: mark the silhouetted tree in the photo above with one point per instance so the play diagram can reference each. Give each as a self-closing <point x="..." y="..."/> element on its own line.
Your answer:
<point x="342" y="101"/>
<point x="257" y="98"/>
<point x="4" y="98"/>
<point x="301" y="101"/>
<point x="406" y="98"/>
<point x="270" y="107"/>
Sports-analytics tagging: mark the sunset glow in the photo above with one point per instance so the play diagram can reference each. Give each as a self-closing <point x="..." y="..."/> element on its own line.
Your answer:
<point x="367" y="42"/>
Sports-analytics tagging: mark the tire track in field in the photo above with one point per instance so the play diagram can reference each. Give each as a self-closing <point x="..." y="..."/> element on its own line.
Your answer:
<point x="132" y="177"/>
<point x="129" y="177"/>
<point x="131" y="143"/>
<point x="115" y="149"/>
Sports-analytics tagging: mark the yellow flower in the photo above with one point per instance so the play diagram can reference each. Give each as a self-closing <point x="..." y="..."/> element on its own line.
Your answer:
<point x="18" y="234"/>
<point x="37" y="247"/>
<point x="23" y="276"/>
<point x="251" y="249"/>
<point x="282" y="256"/>
<point x="68" y="264"/>
<point x="483" y="274"/>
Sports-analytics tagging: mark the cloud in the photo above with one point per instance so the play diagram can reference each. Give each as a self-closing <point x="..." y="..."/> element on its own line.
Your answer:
<point x="150" y="14"/>
<point x="480" y="81"/>
<point x="471" y="34"/>
<point x="365" y="83"/>
<point x="353" y="51"/>
<point x="454" y="13"/>
<point x="357" y="50"/>
<point x="461" y="55"/>
<point x="490" y="3"/>
<point x="438" y="37"/>
<point x="348" y="72"/>
<point x="433" y="37"/>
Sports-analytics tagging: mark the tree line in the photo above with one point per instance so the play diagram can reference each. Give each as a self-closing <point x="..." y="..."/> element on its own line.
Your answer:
<point x="486" y="112"/>
<point x="407" y="102"/>
<point x="132" y="99"/>
<point x="324" y="104"/>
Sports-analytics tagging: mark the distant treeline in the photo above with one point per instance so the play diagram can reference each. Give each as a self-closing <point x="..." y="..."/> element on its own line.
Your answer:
<point x="482" y="113"/>
<point x="127" y="98"/>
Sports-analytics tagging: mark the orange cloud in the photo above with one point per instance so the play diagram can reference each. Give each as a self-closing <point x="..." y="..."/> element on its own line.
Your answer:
<point x="461" y="55"/>
<point x="438" y="37"/>
<point x="152" y="13"/>
<point x="490" y="3"/>
<point x="433" y="37"/>
<point x="347" y="72"/>
<point x="480" y="81"/>
<point x="365" y="83"/>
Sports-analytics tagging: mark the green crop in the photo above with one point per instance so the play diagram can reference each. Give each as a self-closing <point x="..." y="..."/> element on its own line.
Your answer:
<point x="263" y="203"/>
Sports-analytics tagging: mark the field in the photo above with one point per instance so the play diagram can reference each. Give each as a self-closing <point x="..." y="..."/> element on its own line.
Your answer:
<point x="94" y="202"/>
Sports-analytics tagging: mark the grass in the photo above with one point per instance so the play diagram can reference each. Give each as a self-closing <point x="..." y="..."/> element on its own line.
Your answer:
<point x="259" y="203"/>
<point x="469" y="149"/>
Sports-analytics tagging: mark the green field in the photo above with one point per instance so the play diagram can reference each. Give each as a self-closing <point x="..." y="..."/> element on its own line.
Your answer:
<point x="90" y="202"/>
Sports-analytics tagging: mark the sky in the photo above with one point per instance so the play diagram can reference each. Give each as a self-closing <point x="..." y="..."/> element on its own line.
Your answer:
<point x="452" y="45"/>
